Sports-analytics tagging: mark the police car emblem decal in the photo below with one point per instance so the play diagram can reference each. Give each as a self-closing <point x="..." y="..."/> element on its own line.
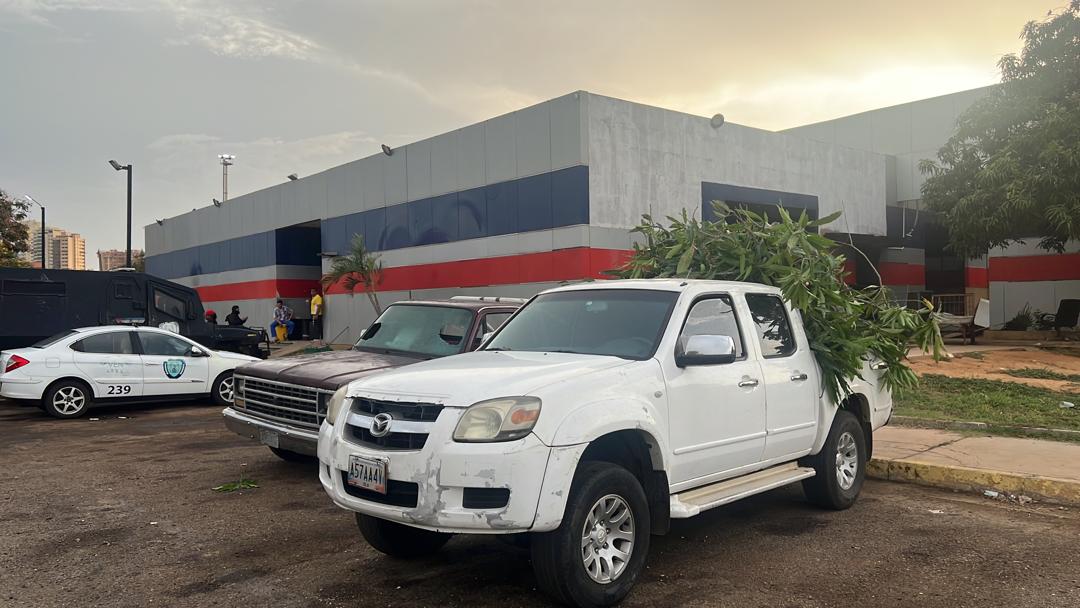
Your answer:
<point x="174" y="368"/>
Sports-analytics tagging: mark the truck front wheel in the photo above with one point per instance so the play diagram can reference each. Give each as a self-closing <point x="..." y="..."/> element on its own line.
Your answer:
<point x="397" y="540"/>
<point x="840" y="466"/>
<point x="597" y="553"/>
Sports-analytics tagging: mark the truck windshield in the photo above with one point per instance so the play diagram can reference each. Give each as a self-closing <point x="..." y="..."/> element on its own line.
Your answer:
<point x="432" y="331"/>
<point x="623" y="323"/>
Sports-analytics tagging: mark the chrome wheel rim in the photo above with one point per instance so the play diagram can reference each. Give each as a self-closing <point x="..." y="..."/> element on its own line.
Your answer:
<point x="847" y="461"/>
<point x="69" y="400"/>
<point x="225" y="389"/>
<point x="607" y="539"/>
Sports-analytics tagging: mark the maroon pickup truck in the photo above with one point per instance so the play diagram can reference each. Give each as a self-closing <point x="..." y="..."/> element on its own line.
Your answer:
<point x="282" y="402"/>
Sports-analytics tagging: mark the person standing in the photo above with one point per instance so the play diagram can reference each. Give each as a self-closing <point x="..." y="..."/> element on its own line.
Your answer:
<point x="234" y="318"/>
<point x="316" y="315"/>
<point x="282" y="316"/>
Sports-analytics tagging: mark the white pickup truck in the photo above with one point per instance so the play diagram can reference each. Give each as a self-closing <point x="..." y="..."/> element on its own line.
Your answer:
<point x="593" y="417"/>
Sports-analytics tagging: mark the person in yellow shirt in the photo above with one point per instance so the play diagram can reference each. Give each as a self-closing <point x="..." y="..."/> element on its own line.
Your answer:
<point x="316" y="315"/>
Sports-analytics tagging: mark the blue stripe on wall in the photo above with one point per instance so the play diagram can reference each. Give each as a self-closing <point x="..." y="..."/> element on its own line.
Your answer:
<point x="541" y="202"/>
<point x="753" y="197"/>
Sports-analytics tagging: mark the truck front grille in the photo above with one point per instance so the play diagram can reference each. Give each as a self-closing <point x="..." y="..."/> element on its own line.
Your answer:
<point x="398" y="493"/>
<point x="418" y="417"/>
<point x="390" y="441"/>
<point x="293" y="404"/>
<point x="419" y="412"/>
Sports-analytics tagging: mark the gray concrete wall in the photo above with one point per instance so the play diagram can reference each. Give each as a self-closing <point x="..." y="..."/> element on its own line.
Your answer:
<point x="908" y="132"/>
<point x="644" y="159"/>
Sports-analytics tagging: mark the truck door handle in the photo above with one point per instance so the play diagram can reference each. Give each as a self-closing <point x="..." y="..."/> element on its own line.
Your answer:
<point x="747" y="383"/>
<point x="798" y="377"/>
<point x="150" y="364"/>
<point x="879" y="365"/>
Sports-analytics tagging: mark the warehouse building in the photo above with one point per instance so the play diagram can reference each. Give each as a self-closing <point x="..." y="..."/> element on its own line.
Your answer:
<point x="549" y="193"/>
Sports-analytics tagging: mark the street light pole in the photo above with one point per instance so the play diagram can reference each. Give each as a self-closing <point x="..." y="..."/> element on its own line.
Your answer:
<point x="32" y="200"/>
<point x="226" y="160"/>
<point x="127" y="167"/>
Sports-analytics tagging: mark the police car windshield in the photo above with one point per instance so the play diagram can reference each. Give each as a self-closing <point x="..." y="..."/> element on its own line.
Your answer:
<point x="423" y="329"/>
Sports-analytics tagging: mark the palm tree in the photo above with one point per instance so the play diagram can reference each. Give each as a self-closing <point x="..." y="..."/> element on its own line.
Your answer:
<point x="359" y="268"/>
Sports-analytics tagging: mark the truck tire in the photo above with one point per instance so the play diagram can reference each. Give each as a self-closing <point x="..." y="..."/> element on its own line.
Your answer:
<point x="222" y="389"/>
<point x="67" y="399"/>
<point x="840" y="465"/>
<point x="596" y="555"/>
<point x="398" y="540"/>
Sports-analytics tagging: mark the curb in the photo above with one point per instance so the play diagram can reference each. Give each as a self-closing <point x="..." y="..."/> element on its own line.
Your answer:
<point x="963" y="425"/>
<point x="1046" y="489"/>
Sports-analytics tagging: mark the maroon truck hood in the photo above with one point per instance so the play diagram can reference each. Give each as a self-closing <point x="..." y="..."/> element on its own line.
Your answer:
<point x="328" y="370"/>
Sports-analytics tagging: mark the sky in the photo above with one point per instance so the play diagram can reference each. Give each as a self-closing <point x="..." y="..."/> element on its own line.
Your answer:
<point x="291" y="86"/>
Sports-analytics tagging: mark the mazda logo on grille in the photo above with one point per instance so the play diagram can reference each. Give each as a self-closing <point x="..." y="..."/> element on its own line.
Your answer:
<point x="380" y="426"/>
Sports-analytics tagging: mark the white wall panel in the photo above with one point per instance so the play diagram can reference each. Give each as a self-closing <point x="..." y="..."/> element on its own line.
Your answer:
<point x="372" y="182"/>
<point x="532" y="137"/>
<point x="394" y="180"/>
<point x="500" y="160"/>
<point x="444" y="159"/>
<point x="470" y="157"/>
<point x="418" y="170"/>
<point x="342" y="191"/>
<point x="567" y="131"/>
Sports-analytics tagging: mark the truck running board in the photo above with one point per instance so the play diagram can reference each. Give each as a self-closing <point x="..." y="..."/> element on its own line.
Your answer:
<point x="691" y="502"/>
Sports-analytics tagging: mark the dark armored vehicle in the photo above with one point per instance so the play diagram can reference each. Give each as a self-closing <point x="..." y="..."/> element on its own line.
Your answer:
<point x="282" y="402"/>
<point x="36" y="304"/>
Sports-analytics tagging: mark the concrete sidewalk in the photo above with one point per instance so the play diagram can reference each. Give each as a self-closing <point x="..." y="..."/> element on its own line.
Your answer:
<point x="1046" y="470"/>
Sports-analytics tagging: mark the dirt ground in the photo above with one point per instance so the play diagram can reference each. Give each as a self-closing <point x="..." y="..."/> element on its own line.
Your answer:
<point x="119" y="512"/>
<point x="992" y="364"/>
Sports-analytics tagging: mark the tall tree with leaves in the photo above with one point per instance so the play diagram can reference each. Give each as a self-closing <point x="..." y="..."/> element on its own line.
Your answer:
<point x="845" y="326"/>
<point x="360" y="268"/>
<point x="1012" y="169"/>
<point x="13" y="233"/>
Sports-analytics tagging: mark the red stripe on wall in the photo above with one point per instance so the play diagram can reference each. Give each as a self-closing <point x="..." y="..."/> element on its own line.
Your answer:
<point x="547" y="266"/>
<point x="257" y="290"/>
<point x="976" y="277"/>
<point x="1057" y="267"/>
<point x="896" y="273"/>
<point x="850" y="267"/>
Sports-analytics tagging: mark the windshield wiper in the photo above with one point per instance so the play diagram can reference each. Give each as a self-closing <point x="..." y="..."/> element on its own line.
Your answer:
<point x="498" y="348"/>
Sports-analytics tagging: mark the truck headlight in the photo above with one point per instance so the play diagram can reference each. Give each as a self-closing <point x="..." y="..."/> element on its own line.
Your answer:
<point x="238" y="393"/>
<point x="502" y="419"/>
<point x="336" y="403"/>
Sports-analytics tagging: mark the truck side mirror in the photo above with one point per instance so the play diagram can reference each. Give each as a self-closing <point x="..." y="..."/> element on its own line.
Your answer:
<point x="704" y="349"/>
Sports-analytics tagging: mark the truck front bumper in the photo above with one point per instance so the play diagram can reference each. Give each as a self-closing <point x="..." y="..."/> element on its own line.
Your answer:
<point x="438" y="478"/>
<point x="271" y="433"/>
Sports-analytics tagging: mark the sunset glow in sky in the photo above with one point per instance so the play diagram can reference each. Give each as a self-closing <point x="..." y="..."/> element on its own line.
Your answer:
<point x="290" y="86"/>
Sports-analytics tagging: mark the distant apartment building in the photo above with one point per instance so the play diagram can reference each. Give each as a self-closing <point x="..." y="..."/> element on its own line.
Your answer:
<point x="112" y="259"/>
<point x="63" y="249"/>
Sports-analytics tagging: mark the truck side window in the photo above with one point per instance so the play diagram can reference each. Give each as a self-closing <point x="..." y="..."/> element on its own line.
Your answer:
<point x="494" y="320"/>
<point x="715" y="317"/>
<point x="168" y="304"/>
<point x="771" y="321"/>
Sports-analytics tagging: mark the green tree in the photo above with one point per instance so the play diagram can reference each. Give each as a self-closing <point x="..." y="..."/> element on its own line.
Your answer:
<point x="1012" y="169"/>
<point x="845" y="326"/>
<point x="13" y="234"/>
<point x="360" y="268"/>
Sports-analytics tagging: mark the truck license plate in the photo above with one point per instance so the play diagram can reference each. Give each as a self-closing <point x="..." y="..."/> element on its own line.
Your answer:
<point x="269" y="438"/>
<point x="367" y="473"/>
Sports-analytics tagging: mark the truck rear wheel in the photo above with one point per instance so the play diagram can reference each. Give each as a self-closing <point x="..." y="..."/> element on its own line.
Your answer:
<point x="398" y="540"/>
<point x="840" y="465"/>
<point x="597" y="553"/>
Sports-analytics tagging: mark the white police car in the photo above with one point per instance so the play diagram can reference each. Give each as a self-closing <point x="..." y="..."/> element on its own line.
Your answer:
<point x="70" y="371"/>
